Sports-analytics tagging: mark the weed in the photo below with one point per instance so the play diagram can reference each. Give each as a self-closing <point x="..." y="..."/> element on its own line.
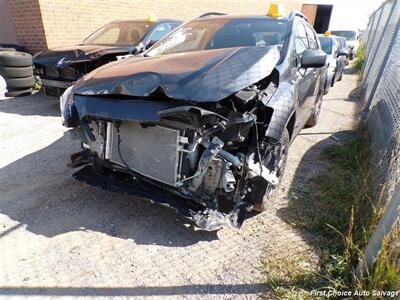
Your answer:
<point x="344" y="214"/>
<point x="360" y="58"/>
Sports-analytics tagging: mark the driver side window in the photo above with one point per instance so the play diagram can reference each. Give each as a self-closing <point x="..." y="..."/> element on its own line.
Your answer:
<point x="300" y="41"/>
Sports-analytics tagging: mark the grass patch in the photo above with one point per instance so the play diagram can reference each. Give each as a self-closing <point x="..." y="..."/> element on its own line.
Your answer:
<point x="338" y="208"/>
<point x="36" y="86"/>
<point x="360" y="58"/>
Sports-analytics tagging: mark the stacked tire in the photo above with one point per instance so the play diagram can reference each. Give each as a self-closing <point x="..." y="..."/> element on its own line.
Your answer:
<point x="16" y="68"/>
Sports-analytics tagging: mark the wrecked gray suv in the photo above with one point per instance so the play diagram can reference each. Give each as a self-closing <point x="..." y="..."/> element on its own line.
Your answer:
<point x="201" y="122"/>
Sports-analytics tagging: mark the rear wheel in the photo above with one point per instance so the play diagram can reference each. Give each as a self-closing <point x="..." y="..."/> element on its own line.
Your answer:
<point x="340" y="76"/>
<point x="313" y="120"/>
<point x="261" y="203"/>
<point x="326" y="86"/>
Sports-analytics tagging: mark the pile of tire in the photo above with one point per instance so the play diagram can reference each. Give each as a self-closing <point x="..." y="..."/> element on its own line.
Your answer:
<point x="16" y="69"/>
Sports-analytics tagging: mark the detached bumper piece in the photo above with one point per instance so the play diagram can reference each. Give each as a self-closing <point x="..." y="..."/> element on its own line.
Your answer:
<point x="205" y="218"/>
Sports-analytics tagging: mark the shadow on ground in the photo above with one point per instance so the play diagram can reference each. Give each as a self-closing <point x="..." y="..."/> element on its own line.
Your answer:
<point x="36" y="104"/>
<point x="38" y="191"/>
<point x="216" y="289"/>
<point x="302" y="209"/>
<point x="350" y="71"/>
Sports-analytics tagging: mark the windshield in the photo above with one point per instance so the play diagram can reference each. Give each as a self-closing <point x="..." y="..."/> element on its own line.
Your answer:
<point x="118" y="34"/>
<point x="326" y="44"/>
<point x="210" y="34"/>
<point x="349" y="35"/>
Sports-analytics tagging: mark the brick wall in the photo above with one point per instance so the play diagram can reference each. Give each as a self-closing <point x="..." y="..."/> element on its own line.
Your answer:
<point x="67" y="22"/>
<point x="27" y="21"/>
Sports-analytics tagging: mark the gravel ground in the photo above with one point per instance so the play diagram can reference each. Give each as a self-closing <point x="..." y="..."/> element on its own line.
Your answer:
<point x="61" y="238"/>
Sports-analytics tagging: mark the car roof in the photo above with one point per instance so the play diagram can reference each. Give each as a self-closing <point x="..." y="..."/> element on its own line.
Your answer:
<point x="238" y="17"/>
<point x="146" y="21"/>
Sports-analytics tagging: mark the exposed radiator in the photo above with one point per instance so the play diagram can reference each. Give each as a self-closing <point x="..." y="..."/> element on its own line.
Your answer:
<point x="151" y="151"/>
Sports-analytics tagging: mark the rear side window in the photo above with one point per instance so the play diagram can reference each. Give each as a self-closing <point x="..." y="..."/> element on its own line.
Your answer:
<point x="312" y="40"/>
<point x="326" y="44"/>
<point x="301" y="40"/>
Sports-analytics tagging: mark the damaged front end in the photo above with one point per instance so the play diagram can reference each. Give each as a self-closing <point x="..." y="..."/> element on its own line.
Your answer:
<point x="213" y="158"/>
<point x="217" y="158"/>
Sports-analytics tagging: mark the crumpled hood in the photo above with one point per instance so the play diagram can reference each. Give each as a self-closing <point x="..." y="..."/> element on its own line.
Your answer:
<point x="202" y="76"/>
<point x="67" y="55"/>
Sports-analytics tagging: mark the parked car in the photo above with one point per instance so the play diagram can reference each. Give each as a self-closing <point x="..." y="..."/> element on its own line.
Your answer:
<point x="352" y="40"/>
<point x="343" y="46"/>
<point x="60" y="67"/>
<point x="203" y="120"/>
<point x="336" y="59"/>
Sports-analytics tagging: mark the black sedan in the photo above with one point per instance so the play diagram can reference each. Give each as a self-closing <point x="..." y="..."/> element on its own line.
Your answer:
<point x="60" y="67"/>
<point x="203" y="120"/>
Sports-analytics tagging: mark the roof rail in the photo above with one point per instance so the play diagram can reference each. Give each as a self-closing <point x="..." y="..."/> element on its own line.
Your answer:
<point x="212" y="13"/>
<point x="297" y="14"/>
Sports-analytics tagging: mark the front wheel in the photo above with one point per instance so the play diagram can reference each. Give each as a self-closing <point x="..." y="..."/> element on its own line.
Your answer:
<point x="261" y="203"/>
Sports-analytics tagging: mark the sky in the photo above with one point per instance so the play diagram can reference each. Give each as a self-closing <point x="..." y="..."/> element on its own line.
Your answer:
<point x="349" y="14"/>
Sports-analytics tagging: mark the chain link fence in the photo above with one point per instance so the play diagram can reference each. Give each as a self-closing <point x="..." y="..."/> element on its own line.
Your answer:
<point x="381" y="114"/>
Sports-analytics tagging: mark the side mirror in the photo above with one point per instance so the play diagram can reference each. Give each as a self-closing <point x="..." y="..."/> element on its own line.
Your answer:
<point x="313" y="59"/>
<point x="133" y="50"/>
<point x="150" y="43"/>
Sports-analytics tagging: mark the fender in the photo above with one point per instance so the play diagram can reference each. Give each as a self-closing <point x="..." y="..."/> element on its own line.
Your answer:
<point x="284" y="106"/>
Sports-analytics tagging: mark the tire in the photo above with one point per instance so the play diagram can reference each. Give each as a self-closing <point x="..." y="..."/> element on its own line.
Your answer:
<point x="26" y="82"/>
<point x="19" y="93"/>
<point x="13" y="72"/>
<point x="15" y="59"/>
<point x="260" y="204"/>
<point x="326" y="87"/>
<point x="314" y="119"/>
<point x="340" y="77"/>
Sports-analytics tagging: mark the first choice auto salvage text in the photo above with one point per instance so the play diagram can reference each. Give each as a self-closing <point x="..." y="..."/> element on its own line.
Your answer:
<point x="358" y="293"/>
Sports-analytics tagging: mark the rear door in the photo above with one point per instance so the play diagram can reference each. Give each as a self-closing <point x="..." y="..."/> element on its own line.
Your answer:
<point x="305" y="78"/>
